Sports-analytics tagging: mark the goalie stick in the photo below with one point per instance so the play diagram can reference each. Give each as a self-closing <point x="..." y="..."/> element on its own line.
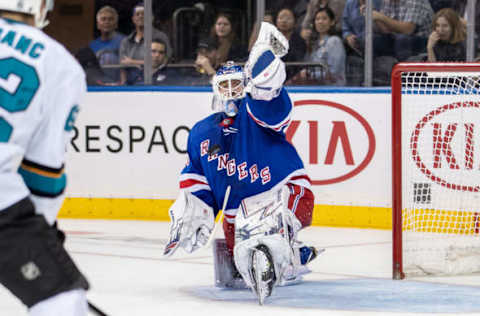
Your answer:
<point x="219" y="223"/>
<point x="95" y="309"/>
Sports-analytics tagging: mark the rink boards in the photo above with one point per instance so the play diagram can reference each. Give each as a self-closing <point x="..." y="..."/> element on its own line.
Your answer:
<point x="129" y="148"/>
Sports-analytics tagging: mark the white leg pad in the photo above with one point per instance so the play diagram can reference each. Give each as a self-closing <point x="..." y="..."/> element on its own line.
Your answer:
<point x="72" y="303"/>
<point x="279" y="249"/>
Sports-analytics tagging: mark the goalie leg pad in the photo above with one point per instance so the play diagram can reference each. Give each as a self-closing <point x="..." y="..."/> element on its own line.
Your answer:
<point x="301" y="202"/>
<point x="279" y="250"/>
<point x="262" y="272"/>
<point x="34" y="265"/>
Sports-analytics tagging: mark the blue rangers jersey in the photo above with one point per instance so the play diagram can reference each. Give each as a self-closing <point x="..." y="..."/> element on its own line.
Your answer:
<point x="249" y="152"/>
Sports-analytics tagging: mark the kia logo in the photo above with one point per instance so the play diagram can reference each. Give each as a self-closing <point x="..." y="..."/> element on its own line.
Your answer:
<point x="348" y="133"/>
<point x="443" y="142"/>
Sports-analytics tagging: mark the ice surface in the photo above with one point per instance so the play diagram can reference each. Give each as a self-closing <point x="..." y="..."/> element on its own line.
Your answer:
<point x="129" y="276"/>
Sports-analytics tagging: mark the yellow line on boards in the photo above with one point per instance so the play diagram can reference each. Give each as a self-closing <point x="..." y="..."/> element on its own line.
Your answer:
<point x="152" y="209"/>
<point x="115" y="208"/>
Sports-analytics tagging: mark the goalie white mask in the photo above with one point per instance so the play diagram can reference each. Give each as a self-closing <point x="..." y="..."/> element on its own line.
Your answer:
<point x="229" y="87"/>
<point x="37" y="8"/>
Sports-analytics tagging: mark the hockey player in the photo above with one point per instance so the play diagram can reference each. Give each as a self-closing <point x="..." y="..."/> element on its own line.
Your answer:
<point x="244" y="147"/>
<point x="41" y="86"/>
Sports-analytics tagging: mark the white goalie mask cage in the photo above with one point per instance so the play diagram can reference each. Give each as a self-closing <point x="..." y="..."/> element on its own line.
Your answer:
<point x="30" y="7"/>
<point x="228" y="86"/>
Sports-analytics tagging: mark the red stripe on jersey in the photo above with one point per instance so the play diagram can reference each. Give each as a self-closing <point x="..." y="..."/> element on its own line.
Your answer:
<point x="283" y="126"/>
<point x="262" y="123"/>
<point x="190" y="182"/>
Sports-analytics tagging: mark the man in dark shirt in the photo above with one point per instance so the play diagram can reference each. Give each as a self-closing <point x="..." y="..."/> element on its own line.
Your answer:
<point x="162" y="74"/>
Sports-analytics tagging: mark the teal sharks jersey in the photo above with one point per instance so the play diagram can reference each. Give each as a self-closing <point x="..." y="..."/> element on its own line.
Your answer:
<point x="41" y="87"/>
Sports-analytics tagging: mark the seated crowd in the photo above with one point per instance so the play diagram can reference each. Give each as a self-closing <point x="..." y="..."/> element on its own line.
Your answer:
<point x="326" y="38"/>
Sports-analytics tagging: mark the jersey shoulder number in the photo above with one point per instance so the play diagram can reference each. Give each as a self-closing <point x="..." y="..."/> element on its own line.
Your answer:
<point x="19" y="82"/>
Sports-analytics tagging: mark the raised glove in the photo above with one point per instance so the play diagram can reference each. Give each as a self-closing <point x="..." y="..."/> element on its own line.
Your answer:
<point x="265" y="71"/>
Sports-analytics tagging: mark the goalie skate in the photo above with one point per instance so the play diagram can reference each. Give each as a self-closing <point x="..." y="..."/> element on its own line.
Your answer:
<point x="308" y="253"/>
<point x="262" y="273"/>
<point x="302" y="256"/>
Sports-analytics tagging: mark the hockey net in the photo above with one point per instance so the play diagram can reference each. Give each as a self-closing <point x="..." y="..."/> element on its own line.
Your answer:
<point x="436" y="169"/>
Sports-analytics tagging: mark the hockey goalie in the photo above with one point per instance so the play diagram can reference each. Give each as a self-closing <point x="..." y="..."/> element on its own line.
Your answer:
<point x="242" y="146"/>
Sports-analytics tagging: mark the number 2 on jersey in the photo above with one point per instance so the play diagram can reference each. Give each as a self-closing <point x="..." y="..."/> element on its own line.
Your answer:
<point x="16" y="98"/>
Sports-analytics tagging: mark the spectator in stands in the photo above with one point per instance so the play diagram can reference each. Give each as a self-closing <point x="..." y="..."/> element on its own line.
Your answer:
<point x="267" y="17"/>
<point x="437" y="5"/>
<point x="337" y="7"/>
<point x="106" y="47"/>
<point x="447" y="41"/>
<point x="353" y="26"/>
<point x="132" y="48"/>
<point x="205" y="64"/>
<point x="327" y="49"/>
<point x="161" y="73"/>
<point x="298" y="7"/>
<point x="94" y="73"/>
<point x="405" y="24"/>
<point x="285" y="23"/>
<point x="460" y="6"/>
<point x="229" y="46"/>
<point x="353" y="33"/>
<point x="207" y="57"/>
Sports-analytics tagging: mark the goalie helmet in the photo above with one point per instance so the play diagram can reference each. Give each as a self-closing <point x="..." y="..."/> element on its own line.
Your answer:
<point x="229" y="87"/>
<point x="37" y="8"/>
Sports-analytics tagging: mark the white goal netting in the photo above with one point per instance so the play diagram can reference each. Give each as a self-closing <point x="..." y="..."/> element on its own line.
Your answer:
<point x="440" y="172"/>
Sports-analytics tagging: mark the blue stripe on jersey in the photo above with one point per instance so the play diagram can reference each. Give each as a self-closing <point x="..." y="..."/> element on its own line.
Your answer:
<point x="42" y="185"/>
<point x="262" y="62"/>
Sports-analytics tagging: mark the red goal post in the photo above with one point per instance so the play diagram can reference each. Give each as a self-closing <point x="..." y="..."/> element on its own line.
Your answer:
<point x="435" y="168"/>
